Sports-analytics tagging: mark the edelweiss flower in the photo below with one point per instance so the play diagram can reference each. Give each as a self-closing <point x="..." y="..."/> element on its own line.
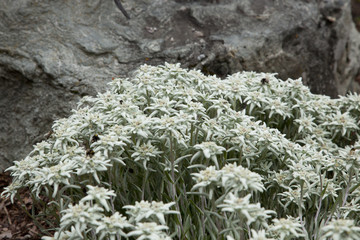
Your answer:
<point x="210" y="150"/>
<point x="242" y="206"/>
<point x="162" y="105"/>
<point x="113" y="225"/>
<point x="306" y="123"/>
<point x="149" y="231"/>
<point x="286" y="228"/>
<point x="139" y="125"/>
<point x="340" y="229"/>
<point x="108" y="144"/>
<point x="239" y="178"/>
<point x="55" y="175"/>
<point x="100" y="195"/>
<point x="144" y="152"/>
<point x="80" y="215"/>
<point x="352" y="101"/>
<point x="341" y="122"/>
<point x="25" y="168"/>
<point x="11" y="190"/>
<point x="145" y="210"/>
<point x="277" y="106"/>
<point x="206" y="177"/>
<point x="260" y="235"/>
<point x="159" y="209"/>
<point x="92" y="165"/>
<point x="65" y="235"/>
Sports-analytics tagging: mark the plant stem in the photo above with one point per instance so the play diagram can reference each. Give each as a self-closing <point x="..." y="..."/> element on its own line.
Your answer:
<point x="318" y="210"/>
<point x="173" y="187"/>
<point x="23" y="207"/>
<point x="347" y="188"/>
<point x="300" y="209"/>
<point x="144" y="184"/>
<point x="111" y="197"/>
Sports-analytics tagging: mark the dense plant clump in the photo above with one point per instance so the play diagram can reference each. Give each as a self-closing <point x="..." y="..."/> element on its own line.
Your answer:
<point x="174" y="154"/>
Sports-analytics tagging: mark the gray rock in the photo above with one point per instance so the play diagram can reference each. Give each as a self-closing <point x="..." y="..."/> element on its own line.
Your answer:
<point x="54" y="52"/>
<point x="94" y="41"/>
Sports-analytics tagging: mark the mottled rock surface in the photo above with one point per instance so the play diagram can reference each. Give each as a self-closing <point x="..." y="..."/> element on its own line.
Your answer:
<point x="54" y="52"/>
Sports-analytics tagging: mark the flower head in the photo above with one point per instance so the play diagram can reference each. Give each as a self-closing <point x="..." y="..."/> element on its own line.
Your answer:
<point x="113" y="225"/>
<point x="149" y="231"/>
<point x="99" y="195"/>
<point x="340" y="229"/>
<point x="145" y="210"/>
<point x="286" y="228"/>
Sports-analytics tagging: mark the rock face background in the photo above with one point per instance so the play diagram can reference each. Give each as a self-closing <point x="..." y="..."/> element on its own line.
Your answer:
<point x="54" y="52"/>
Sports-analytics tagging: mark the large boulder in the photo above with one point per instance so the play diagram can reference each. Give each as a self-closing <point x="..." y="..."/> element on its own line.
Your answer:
<point x="54" y="52"/>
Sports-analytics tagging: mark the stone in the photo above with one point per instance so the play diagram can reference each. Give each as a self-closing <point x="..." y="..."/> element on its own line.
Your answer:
<point x="54" y="52"/>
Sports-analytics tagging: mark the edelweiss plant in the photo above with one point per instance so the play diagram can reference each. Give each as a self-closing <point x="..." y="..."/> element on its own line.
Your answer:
<point x="175" y="154"/>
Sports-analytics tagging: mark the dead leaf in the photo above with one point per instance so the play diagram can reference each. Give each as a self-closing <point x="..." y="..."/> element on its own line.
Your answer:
<point x="6" y="235"/>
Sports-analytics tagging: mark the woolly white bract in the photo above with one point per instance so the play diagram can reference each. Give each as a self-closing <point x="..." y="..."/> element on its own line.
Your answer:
<point x="189" y="156"/>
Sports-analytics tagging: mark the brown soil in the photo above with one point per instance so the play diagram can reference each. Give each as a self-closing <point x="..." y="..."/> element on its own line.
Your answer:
<point x="14" y="223"/>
